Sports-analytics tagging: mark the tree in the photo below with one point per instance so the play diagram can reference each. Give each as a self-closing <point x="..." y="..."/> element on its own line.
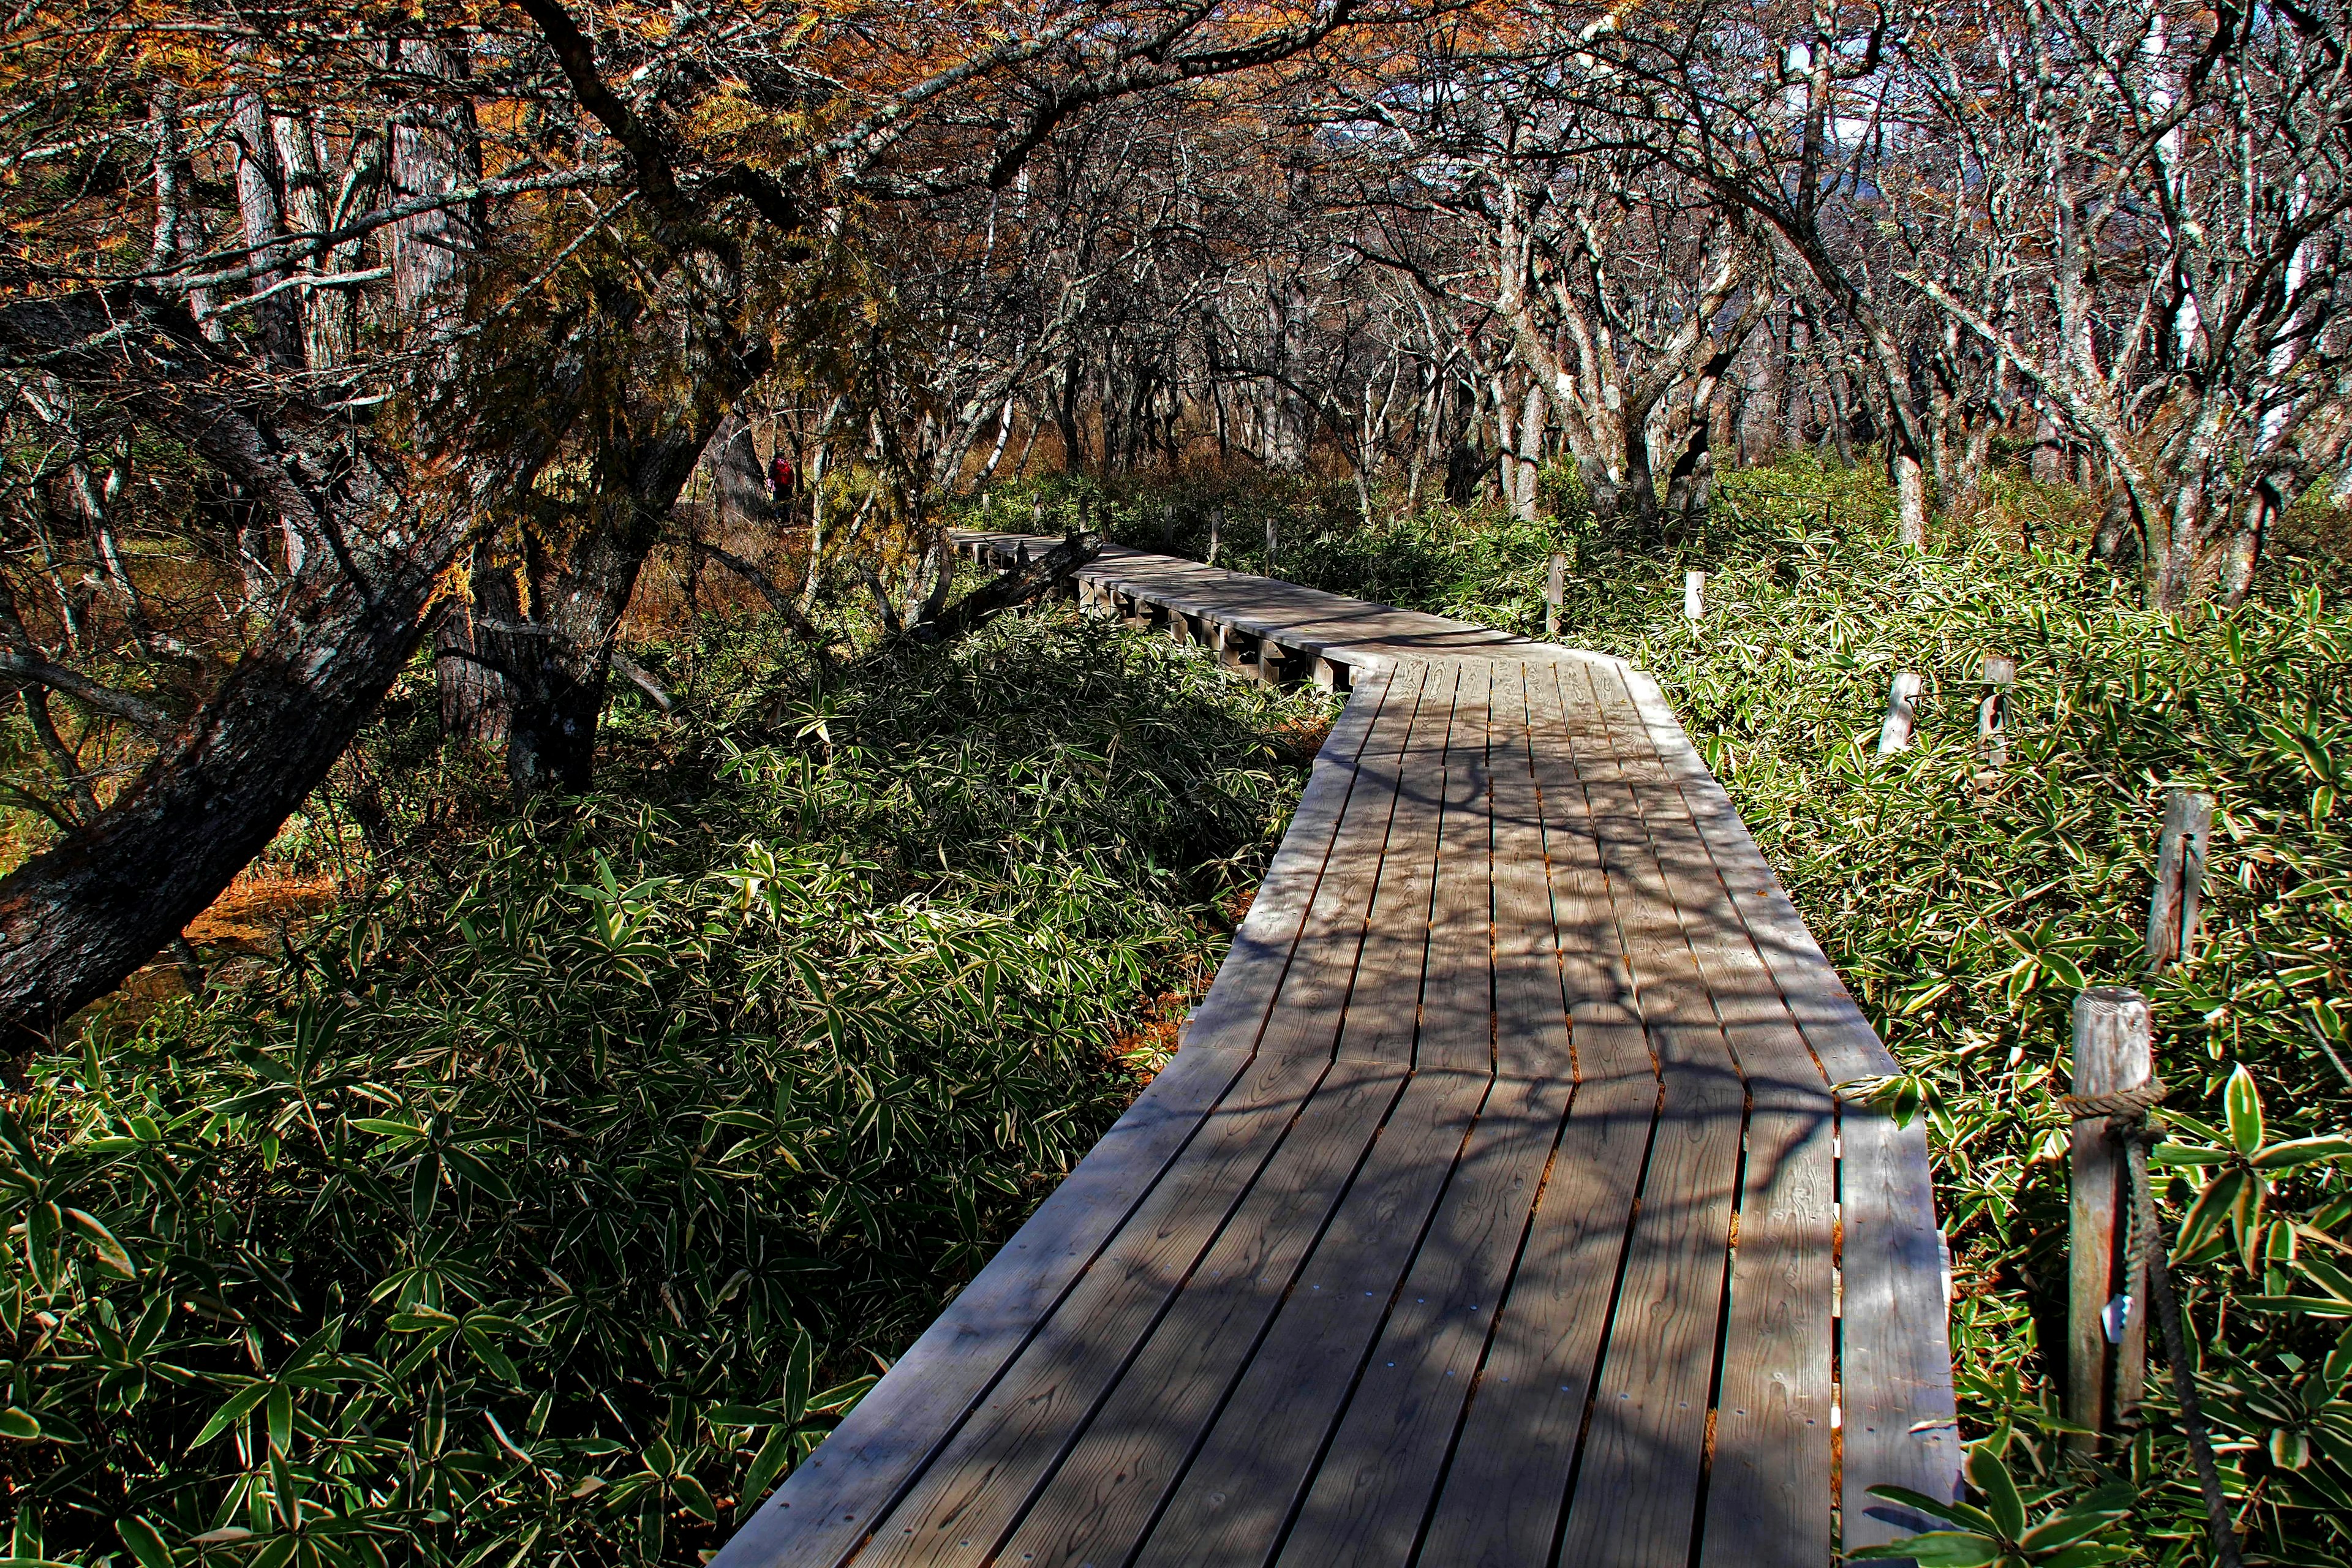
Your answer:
<point x="2161" y="191"/>
<point x="562" y="335"/>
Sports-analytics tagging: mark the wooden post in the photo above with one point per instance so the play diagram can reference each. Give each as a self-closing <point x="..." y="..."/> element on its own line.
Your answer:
<point x="1555" y="589"/>
<point x="1216" y="530"/>
<point x="1895" y="729"/>
<point x="2173" y="908"/>
<point x="1694" y="597"/>
<point x="1269" y="541"/>
<point x="1167" y="529"/>
<point x="2000" y="675"/>
<point x="2112" y="1053"/>
<point x="1271" y="655"/>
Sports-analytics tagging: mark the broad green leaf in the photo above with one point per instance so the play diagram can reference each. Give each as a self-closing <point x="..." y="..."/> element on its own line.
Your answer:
<point x="2211" y="1209"/>
<point x="1967" y="1516"/>
<point x="2243" y="1105"/>
<point x="770" y="1461"/>
<point x="19" y="1424"/>
<point x="487" y="1351"/>
<point x="2189" y="1154"/>
<point x="744" y="1415"/>
<point x="1937" y="1549"/>
<point x="145" y="1541"/>
<point x="799" y="1372"/>
<point x="239" y="1404"/>
<point x="2300" y="1152"/>
<point x="386" y="1127"/>
<point x="697" y="1499"/>
<point x="109" y="1248"/>
<point x="281" y="1407"/>
<point x="1990" y="1477"/>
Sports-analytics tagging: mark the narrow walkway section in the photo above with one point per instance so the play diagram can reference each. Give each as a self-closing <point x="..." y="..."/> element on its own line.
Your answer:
<point x="1499" y="1207"/>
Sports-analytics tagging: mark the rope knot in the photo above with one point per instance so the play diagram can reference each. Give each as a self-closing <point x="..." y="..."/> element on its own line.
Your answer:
<point x="2124" y="1104"/>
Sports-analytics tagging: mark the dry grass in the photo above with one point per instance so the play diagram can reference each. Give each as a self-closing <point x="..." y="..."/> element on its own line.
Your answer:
<point x="260" y="909"/>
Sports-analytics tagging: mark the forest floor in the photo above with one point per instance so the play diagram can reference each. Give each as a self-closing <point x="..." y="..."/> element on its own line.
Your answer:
<point x="541" y="1182"/>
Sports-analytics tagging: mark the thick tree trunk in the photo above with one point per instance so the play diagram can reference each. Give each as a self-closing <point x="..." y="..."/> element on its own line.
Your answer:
<point x="473" y="662"/>
<point x="580" y="594"/>
<point x="277" y="319"/>
<point x="75" y="921"/>
<point x="739" y="487"/>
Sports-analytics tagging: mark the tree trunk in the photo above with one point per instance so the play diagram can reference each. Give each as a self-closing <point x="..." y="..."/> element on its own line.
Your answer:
<point x="2048" y="465"/>
<point x="739" y="489"/>
<point x="1910" y="500"/>
<point x="75" y="921"/>
<point x="580" y="594"/>
<point x="1531" y="431"/>
<point x="1840" y="422"/>
<point x="475" y="664"/>
<point x="2246" y="545"/>
<point x="278" y="327"/>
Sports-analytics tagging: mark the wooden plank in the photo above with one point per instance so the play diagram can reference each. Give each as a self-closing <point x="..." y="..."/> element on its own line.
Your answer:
<point x="1894" y="1368"/>
<point x="1503" y="1494"/>
<point x="1372" y="1492"/>
<point x="1767" y="1492"/>
<point x="1103" y="1495"/>
<point x="826" y="1505"/>
<point x="1241" y="1488"/>
<point x="1638" y="1480"/>
<point x="983" y="1474"/>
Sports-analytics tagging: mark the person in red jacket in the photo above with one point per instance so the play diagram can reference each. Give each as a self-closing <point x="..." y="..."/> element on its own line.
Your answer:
<point x="780" y="477"/>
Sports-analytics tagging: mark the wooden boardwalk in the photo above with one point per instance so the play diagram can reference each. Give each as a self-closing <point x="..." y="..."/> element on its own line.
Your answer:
<point x="1497" y="1208"/>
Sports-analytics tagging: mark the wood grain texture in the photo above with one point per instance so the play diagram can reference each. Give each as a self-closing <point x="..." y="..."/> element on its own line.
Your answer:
<point x="1894" y="1354"/>
<point x="1639" y="1478"/>
<point x="1768" y="1469"/>
<point x="1382" y="1462"/>
<point x="1240" y="1487"/>
<point x="1506" y="1483"/>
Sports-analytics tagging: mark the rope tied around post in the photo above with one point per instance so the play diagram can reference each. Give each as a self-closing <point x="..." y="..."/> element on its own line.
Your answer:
<point x="2149" y="1274"/>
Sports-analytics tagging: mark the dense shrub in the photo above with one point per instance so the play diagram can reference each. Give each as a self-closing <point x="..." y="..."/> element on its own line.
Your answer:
<point x="557" y="1193"/>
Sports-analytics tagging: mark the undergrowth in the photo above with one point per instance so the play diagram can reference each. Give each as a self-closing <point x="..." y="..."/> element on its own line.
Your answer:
<point x="554" y="1196"/>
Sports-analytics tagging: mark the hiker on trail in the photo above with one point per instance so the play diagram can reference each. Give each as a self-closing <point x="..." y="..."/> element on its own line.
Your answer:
<point x="780" y="479"/>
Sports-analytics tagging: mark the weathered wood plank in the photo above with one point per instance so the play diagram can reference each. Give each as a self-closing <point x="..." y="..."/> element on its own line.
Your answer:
<point x="1639" y="1479"/>
<point x="1382" y="1463"/>
<point x="1373" y="1490"/>
<point x="1894" y="1355"/>
<point x="1506" y="1485"/>
<point x="1240" y="1489"/>
<point x="1769" y="1471"/>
